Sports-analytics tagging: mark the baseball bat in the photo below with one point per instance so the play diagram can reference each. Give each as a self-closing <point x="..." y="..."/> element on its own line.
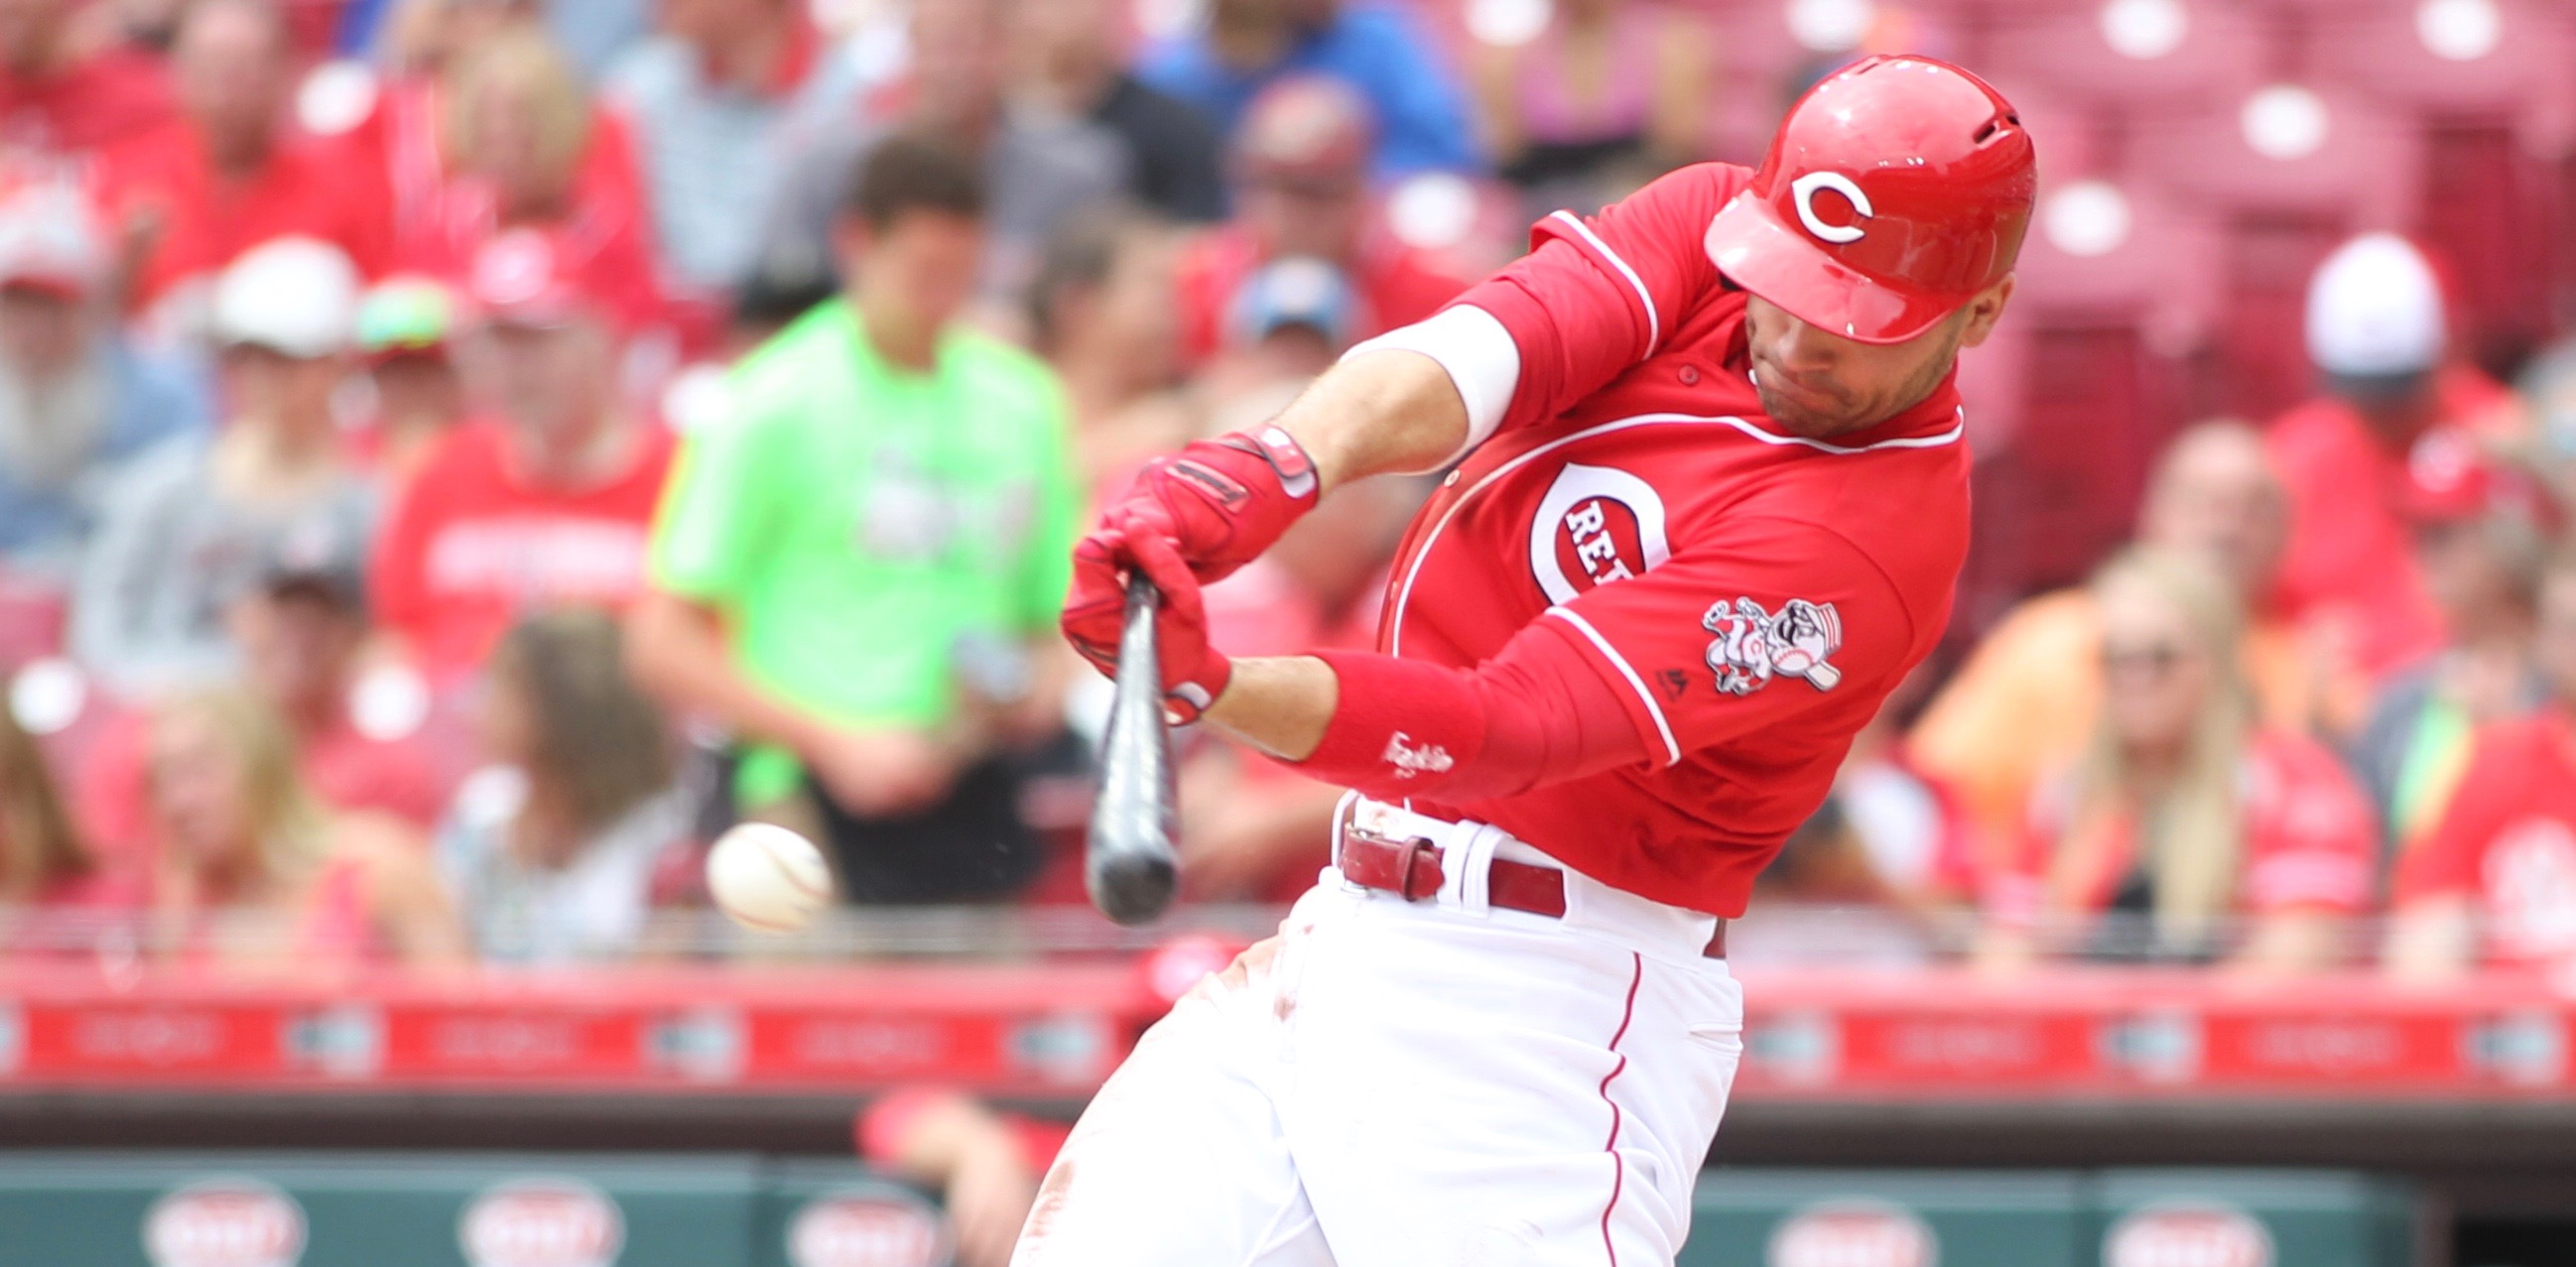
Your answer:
<point x="1129" y="865"/>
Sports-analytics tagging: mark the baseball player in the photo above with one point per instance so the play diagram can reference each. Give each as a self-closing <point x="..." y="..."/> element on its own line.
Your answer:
<point x="1710" y="496"/>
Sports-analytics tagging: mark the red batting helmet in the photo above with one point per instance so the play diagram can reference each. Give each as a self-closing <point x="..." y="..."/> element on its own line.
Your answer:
<point x="1896" y="190"/>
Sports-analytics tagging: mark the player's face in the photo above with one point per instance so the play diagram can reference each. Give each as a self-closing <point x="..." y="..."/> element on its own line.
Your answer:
<point x="1817" y="384"/>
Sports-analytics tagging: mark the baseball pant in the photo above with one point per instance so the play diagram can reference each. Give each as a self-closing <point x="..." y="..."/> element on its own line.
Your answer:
<point x="1414" y="1084"/>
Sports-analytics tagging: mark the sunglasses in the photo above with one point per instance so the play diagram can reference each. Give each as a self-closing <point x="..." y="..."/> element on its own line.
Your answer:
<point x="2144" y="659"/>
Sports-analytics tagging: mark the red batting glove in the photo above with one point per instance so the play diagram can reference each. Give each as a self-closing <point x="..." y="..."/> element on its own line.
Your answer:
<point x="1222" y="502"/>
<point x="1095" y="614"/>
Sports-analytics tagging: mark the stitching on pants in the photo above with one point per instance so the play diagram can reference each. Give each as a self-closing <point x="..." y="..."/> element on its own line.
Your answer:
<point x="1618" y="1165"/>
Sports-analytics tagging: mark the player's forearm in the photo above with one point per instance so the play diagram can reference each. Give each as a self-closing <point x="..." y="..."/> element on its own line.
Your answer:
<point x="1379" y="412"/>
<point x="1280" y="705"/>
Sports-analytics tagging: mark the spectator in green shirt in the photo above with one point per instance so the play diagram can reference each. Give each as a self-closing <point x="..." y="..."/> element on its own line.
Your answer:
<point x="856" y="568"/>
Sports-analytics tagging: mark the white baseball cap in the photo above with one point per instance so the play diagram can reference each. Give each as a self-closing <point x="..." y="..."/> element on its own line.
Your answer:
<point x="294" y="295"/>
<point x="2375" y="310"/>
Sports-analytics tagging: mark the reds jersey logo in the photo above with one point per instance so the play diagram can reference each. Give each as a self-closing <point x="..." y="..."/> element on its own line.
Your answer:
<point x="1753" y="645"/>
<point x="1596" y="525"/>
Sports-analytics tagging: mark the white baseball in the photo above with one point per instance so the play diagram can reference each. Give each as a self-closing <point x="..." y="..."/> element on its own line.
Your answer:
<point x="768" y="878"/>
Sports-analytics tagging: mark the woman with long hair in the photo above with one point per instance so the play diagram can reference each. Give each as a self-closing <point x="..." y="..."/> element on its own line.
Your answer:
<point x="43" y="860"/>
<point x="2184" y="814"/>
<point x="558" y="849"/>
<point x="252" y="869"/>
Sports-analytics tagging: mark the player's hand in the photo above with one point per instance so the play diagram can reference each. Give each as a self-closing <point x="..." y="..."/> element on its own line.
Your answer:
<point x="1221" y="502"/>
<point x="1095" y="614"/>
<point x="879" y="773"/>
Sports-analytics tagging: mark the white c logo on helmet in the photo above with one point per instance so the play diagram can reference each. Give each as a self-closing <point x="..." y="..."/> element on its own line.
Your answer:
<point x="1804" y="188"/>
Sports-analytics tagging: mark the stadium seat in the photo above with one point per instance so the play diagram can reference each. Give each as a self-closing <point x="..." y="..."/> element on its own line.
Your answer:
<point x="2160" y="56"/>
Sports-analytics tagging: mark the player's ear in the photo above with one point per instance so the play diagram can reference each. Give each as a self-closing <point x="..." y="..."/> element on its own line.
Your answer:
<point x="1984" y="310"/>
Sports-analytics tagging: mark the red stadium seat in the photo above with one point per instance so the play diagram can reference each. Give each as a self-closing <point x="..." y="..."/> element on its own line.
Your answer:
<point x="2154" y="55"/>
<point x="2505" y="58"/>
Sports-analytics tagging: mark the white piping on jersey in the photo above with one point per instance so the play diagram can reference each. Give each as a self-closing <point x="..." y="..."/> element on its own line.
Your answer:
<point x="1672" y="747"/>
<point x="1413" y="571"/>
<point x="1654" y="324"/>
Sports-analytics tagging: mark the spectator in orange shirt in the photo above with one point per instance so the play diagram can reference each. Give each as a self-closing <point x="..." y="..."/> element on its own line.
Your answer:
<point x="1300" y="169"/>
<point x="2378" y="332"/>
<point x="63" y="101"/>
<point x="2497" y="876"/>
<point x="2030" y="693"/>
<point x="230" y="174"/>
<point x="2184" y="812"/>
<point x="546" y="502"/>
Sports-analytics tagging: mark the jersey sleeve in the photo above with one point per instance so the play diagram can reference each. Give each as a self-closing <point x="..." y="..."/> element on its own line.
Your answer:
<point x="2446" y="861"/>
<point x="2309" y="836"/>
<point x="1762" y="624"/>
<point x="1598" y="294"/>
<point x="715" y="516"/>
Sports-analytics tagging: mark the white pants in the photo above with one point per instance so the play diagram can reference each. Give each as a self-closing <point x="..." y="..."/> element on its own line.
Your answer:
<point x="1394" y="1084"/>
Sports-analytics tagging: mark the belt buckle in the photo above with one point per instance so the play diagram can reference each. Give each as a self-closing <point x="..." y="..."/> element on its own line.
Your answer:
<point x="1411" y="853"/>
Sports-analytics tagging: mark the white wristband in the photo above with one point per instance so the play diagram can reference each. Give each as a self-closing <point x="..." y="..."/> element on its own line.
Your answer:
<point x="1479" y="356"/>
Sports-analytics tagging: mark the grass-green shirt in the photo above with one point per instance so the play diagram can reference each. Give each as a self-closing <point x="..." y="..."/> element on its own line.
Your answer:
<point x="854" y="519"/>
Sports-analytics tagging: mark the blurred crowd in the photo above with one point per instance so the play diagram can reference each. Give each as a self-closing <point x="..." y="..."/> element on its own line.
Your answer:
<point x="457" y="456"/>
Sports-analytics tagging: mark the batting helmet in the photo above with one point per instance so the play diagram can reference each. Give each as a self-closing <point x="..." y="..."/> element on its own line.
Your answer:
<point x="1896" y="190"/>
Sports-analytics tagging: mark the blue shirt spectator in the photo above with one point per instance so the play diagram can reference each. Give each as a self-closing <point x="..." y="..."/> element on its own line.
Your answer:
<point x="1421" y="111"/>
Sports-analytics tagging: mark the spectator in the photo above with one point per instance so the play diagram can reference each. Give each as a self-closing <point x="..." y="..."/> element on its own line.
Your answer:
<point x="229" y="175"/>
<point x="77" y="401"/>
<point x="1909" y="829"/>
<point x="1069" y="51"/>
<point x="2183" y="810"/>
<point x="2032" y="689"/>
<point x="406" y="331"/>
<point x="2483" y="531"/>
<point x="2497" y="875"/>
<point x="708" y="98"/>
<point x="182" y="532"/>
<point x="1609" y="95"/>
<point x="983" y="1162"/>
<point x="1301" y="189"/>
<point x="62" y="101"/>
<point x="2378" y="332"/>
<point x="859" y="569"/>
<point x="550" y="500"/>
<point x="1286" y="324"/>
<point x="43" y="861"/>
<point x="251" y="869"/>
<point x="1100" y="312"/>
<point x="557" y="851"/>
<point x="1248" y="45"/>
<point x="1039" y="170"/>
<point x="525" y="150"/>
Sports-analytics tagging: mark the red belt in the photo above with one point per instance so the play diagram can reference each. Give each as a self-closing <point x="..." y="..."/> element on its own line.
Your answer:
<point x="1410" y="869"/>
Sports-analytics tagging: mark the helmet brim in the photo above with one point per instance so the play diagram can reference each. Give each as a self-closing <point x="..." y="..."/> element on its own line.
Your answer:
<point x="1757" y="252"/>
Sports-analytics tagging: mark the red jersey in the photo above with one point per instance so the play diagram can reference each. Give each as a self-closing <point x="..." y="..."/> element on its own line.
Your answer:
<point x="471" y="546"/>
<point x="84" y="109"/>
<point x="1394" y="284"/>
<point x="2310" y="841"/>
<point x="1751" y="596"/>
<point x="2508" y="838"/>
<point x="307" y="187"/>
<point x="2351" y="554"/>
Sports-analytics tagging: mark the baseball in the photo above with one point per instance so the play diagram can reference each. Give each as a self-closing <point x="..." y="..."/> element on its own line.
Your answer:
<point x="768" y="878"/>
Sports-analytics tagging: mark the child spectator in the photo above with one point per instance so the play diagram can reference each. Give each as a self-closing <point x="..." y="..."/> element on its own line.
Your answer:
<point x="1245" y="46"/>
<point x="250" y="869"/>
<point x="1301" y="189"/>
<point x="183" y="532"/>
<point x="77" y="400"/>
<point x="2483" y="531"/>
<point x="2183" y="810"/>
<point x="1069" y="49"/>
<point x="858" y="569"/>
<point x="546" y="502"/>
<point x="559" y="849"/>
<point x="1607" y="96"/>
<point x="407" y="329"/>
<point x="2497" y="875"/>
<point x="228" y="175"/>
<point x="63" y="101"/>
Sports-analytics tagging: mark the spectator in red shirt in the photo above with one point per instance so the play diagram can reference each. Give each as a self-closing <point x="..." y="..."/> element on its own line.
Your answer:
<point x="2497" y="876"/>
<point x="59" y="100"/>
<point x="1301" y="188"/>
<point x="230" y="174"/>
<point x="2184" y="811"/>
<point x="546" y="501"/>
<point x="2377" y="331"/>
